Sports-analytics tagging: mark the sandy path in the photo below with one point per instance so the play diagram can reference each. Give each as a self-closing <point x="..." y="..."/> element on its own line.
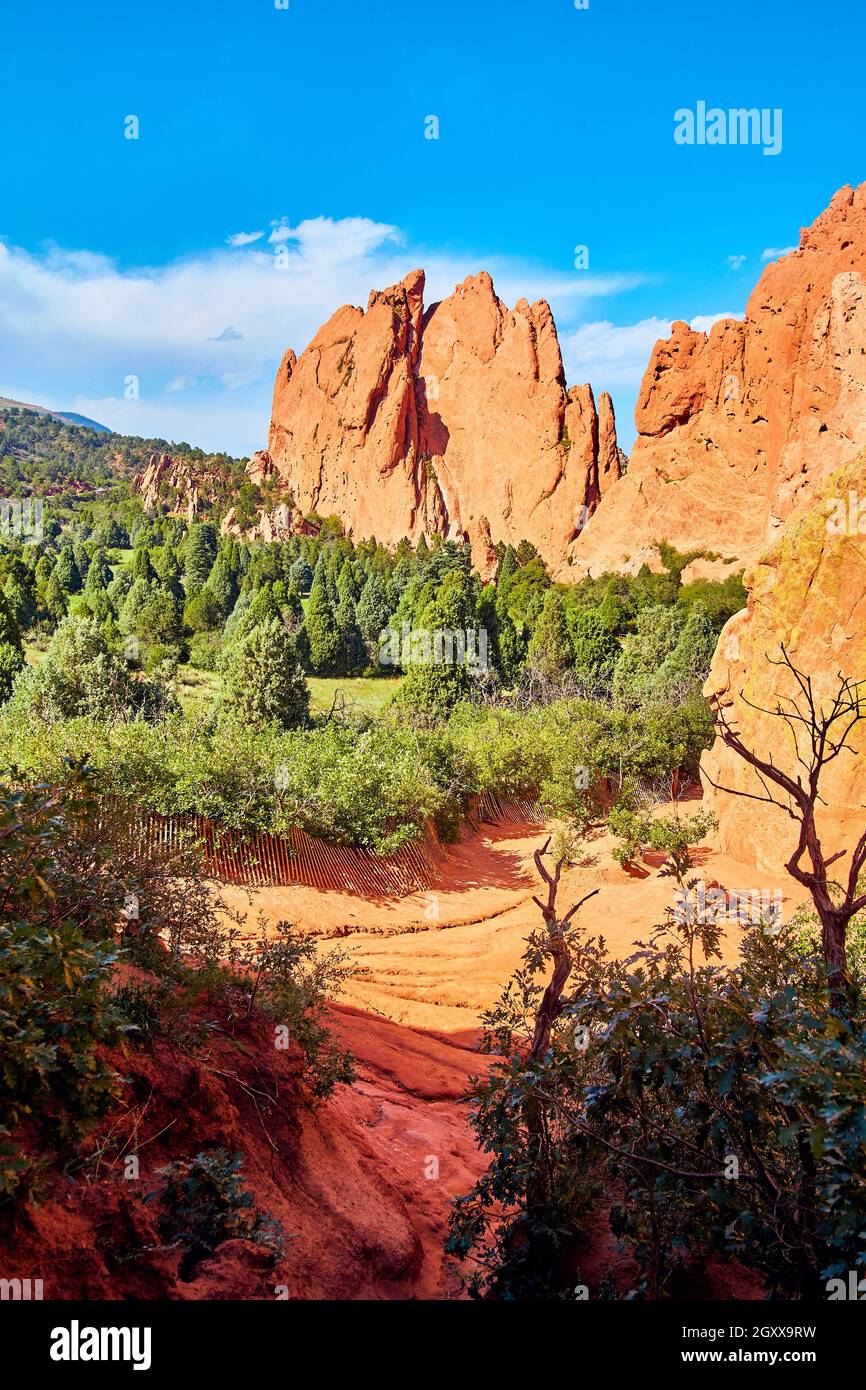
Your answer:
<point x="427" y="966"/>
<point x="436" y="960"/>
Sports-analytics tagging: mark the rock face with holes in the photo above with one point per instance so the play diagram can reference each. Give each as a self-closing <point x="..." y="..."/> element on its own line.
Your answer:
<point x="809" y="592"/>
<point x="738" y="426"/>
<point x="454" y="420"/>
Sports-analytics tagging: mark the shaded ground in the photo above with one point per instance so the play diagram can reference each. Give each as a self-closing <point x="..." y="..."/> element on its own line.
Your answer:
<point x="361" y="1184"/>
<point x="428" y="965"/>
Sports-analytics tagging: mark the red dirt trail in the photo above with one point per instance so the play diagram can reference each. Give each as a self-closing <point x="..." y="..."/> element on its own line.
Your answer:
<point x="362" y="1183"/>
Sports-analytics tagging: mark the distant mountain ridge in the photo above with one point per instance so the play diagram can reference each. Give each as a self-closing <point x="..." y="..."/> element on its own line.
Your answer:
<point x="68" y="416"/>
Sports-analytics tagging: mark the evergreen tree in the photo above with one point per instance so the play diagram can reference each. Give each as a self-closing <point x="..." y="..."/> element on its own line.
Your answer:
<point x="611" y="610"/>
<point x="301" y="575"/>
<point x="11" y="650"/>
<point x="684" y="671"/>
<point x="159" y="620"/>
<point x="99" y="575"/>
<point x="505" y="650"/>
<point x="354" y="651"/>
<point x="142" y="567"/>
<point x="550" y="651"/>
<point x="54" y="600"/>
<point x="201" y="612"/>
<point x="111" y="534"/>
<point x="508" y="566"/>
<point x="44" y="569"/>
<point x="20" y="594"/>
<point x="292" y="608"/>
<point x="323" y="635"/>
<point x="139" y="594"/>
<point x="264" y="682"/>
<point x="82" y="558"/>
<point x="67" y="572"/>
<point x="439" y="673"/>
<point x="199" y="554"/>
<point x="596" y="650"/>
<point x="168" y="570"/>
<point x="636" y="680"/>
<point x="373" y="611"/>
<point x="221" y="583"/>
<point x="81" y="675"/>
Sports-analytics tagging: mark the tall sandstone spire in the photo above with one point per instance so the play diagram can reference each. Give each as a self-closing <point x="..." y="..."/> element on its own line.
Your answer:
<point x="453" y="421"/>
<point x="738" y="427"/>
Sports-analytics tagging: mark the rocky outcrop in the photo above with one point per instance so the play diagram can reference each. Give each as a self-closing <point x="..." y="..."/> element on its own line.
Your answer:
<point x="182" y="476"/>
<point x="809" y="592"/>
<point x="279" y="524"/>
<point x="738" y="426"/>
<point x="453" y="421"/>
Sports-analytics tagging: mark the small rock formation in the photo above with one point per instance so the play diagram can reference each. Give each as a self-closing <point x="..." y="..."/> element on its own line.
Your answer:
<point x="735" y="427"/>
<point x="454" y="420"/>
<point x="279" y="524"/>
<point x="183" y="475"/>
<point x="808" y="591"/>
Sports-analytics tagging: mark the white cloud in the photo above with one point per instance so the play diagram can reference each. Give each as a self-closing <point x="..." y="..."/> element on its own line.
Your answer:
<point x="243" y="238"/>
<point x="735" y="262"/>
<point x="702" y="323"/>
<point x="772" y="253"/>
<point x="611" y="356"/>
<point x="212" y="328"/>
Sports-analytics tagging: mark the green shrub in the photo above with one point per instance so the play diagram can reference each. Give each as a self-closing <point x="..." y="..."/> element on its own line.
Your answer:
<point x="60" y="904"/>
<point x="203" y="1203"/>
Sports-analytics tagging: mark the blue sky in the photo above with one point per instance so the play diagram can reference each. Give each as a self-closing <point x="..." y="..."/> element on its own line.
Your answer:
<point x="307" y="125"/>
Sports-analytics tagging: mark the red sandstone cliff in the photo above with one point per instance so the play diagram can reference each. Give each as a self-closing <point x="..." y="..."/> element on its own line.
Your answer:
<point x="735" y="428"/>
<point x="455" y="420"/>
<point x="809" y="592"/>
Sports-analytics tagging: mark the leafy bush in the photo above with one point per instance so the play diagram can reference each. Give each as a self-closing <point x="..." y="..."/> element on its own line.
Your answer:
<point x="287" y="980"/>
<point x="721" y="1107"/>
<point x="82" y="675"/>
<point x="59" y="902"/>
<point x="203" y="1203"/>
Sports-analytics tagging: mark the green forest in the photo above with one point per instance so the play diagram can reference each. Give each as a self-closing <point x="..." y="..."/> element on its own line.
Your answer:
<point x="188" y="668"/>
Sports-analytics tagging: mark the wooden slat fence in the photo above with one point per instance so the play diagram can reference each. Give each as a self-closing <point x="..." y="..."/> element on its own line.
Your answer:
<point x="259" y="859"/>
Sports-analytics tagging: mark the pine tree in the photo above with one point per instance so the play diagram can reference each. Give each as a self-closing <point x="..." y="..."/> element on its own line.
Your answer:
<point x="199" y="554"/>
<point x="82" y="558"/>
<point x="54" y="600"/>
<point x="99" y="575"/>
<point x="611" y="610"/>
<point x="434" y="684"/>
<point x="11" y="650"/>
<point x="67" y="572"/>
<point x="142" y="567"/>
<point x="354" y="651"/>
<point x="264" y="682"/>
<point x="550" y="651"/>
<point x="20" y="593"/>
<point x="323" y="635"/>
<point x="507" y="567"/>
<point x="301" y="575"/>
<point x="373" y="611"/>
<point x="596" y="650"/>
<point x="221" y="584"/>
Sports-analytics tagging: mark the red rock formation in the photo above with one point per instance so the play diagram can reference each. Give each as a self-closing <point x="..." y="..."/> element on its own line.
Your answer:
<point x="808" y="592"/>
<point x="735" y="427"/>
<point x="455" y="420"/>
<point x="183" y="475"/>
